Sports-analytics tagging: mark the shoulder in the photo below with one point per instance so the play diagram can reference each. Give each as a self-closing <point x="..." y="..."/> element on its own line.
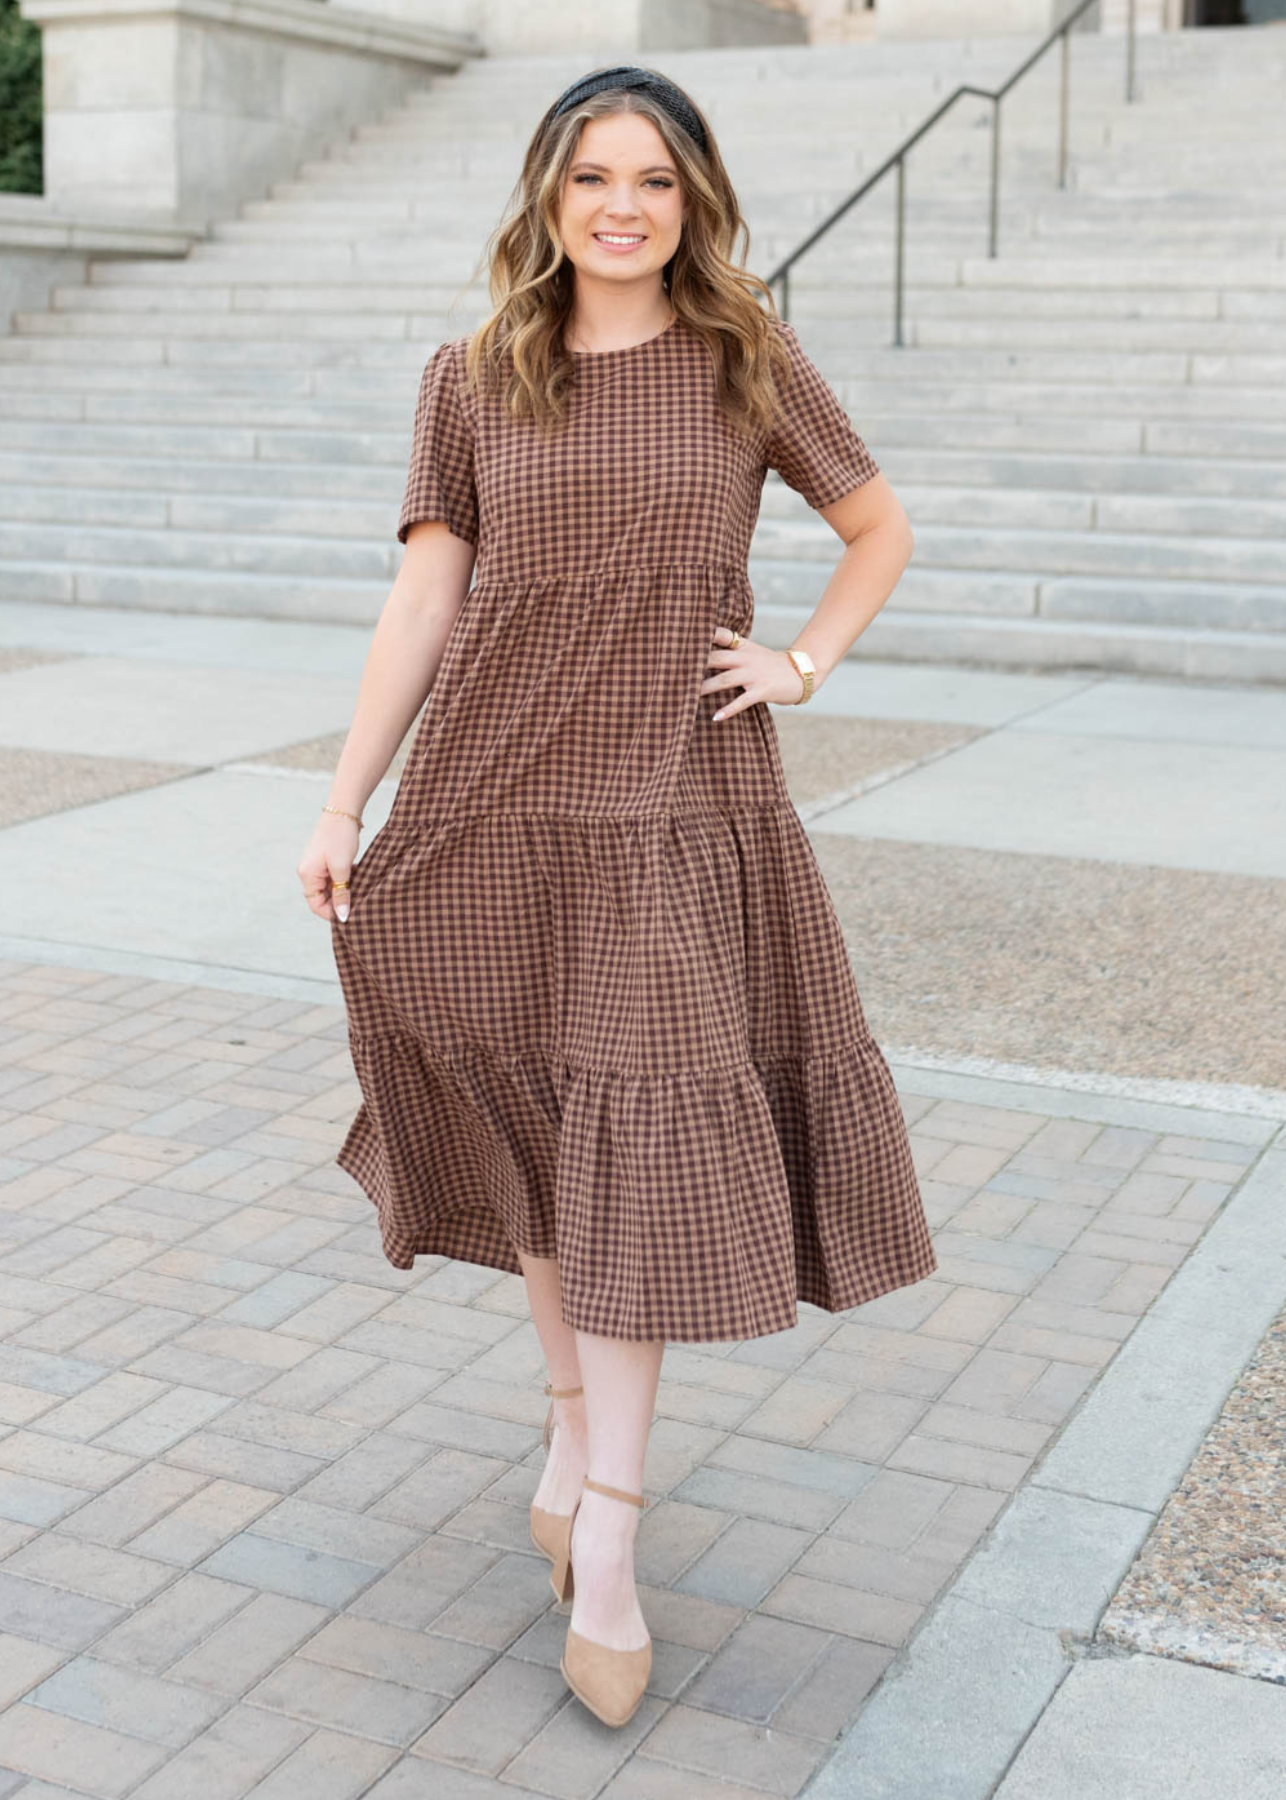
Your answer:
<point x="783" y="333"/>
<point x="784" y="352"/>
<point x="449" y="357"/>
<point x="445" y="381"/>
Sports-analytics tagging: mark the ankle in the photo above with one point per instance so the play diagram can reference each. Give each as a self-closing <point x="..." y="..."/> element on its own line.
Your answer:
<point x="612" y="1521"/>
<point x="570" y="1420"/>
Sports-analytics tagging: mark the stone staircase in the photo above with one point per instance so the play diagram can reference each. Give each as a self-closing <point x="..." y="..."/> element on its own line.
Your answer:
<point x="1088" y="431"/>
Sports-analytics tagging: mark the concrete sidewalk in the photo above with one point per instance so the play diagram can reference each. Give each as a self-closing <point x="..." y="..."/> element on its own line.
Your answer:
<point x="262" y="1497"/>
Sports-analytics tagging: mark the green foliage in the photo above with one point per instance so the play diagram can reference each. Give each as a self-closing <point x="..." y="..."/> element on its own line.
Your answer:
<point x="21" y="169"/>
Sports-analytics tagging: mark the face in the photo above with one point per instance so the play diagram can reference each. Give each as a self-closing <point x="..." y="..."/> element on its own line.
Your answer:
<point x="622" y="185"/>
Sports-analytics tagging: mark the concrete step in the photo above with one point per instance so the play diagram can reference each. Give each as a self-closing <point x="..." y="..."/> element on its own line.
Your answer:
<point x="349" y="386"/>
<point x="166" y="503"/>
<point x="198" y="286"/>
<point x="1237" y="364"/>
<point x="1011" y="283"/>
<point x="209" y="372"/>
<point x="308" y="461"/>
<point x="898" y="632"/>
<point x="1039" y="644"/>
<point x="1211" y="582"/>
<point x="342" y="498"/>
<point x="996" y="310"/>
<point x="317" y="598"/>
<point x="1175" y="479"/>
<point x="1010" y="506"/>
<point x="330" y="318"/>
<point x="1192" y="335"/>
<point x="965" y="235"/>
<point x="1150" y="556"/>
<point x="1211" y="438"/>
<point x="193" y="550"/>
<point x="160" y="329"/>
<point x="858" y="261"/>
<point x="1035" y="593"/>
<point x="68" y="480"/>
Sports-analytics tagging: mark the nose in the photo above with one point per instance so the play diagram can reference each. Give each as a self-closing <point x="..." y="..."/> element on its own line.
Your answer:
<point x="620" y="203"/>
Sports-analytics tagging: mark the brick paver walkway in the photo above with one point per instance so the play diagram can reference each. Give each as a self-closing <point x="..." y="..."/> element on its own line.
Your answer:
<point x="263" y="1498"/>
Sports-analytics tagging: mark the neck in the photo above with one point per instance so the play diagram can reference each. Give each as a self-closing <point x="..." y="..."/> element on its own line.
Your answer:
<point x="606" y="320"/>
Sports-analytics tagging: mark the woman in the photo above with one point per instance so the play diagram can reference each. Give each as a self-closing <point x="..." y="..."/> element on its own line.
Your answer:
<point x="598" y="999"/>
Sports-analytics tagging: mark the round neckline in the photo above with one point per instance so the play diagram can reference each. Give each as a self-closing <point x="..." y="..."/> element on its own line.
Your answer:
<point x="627" y="349"/>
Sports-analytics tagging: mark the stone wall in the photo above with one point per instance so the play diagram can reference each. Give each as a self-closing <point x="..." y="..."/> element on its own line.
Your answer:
<point x="606" y="28"/>
<point x="175" y="111"/>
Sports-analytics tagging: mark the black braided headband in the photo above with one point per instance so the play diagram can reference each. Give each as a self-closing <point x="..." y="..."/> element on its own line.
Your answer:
<point x="627" y="75"/>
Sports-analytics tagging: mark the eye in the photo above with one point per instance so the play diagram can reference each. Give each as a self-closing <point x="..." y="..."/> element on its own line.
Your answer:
<point x="653" y="180"/>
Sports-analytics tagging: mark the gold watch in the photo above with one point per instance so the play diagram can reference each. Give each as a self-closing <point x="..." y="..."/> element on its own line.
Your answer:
<point x="802" y="663"/>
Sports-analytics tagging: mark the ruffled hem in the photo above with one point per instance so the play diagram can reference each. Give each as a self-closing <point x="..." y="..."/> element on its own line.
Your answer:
<point x="695" y="1206"/>
<point x="634" y="1044"/>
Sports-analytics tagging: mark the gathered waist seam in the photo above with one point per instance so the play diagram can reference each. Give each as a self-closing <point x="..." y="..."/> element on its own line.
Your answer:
<point x="428" y="821"/>
<point x="530" y="576"/>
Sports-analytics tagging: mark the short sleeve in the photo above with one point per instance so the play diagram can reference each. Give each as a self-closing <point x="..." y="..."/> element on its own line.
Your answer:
<point x="440" y="479"/>
<point x="813" y="445"/>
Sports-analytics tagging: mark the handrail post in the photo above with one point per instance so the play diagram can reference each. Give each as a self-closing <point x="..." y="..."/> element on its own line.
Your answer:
<point x="898" y="266"/>
<point x="995" y="170"/>
<point x="1062" y="109"/>
<point x="1131" y="21"/>
<point x="785" y="293"/>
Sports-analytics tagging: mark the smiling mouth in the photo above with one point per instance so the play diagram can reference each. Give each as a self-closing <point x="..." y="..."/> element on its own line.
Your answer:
<point x="619" y="237"/>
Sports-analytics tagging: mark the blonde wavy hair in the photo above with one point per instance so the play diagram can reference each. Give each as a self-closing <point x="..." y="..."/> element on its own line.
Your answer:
<point x="519" y="350"/>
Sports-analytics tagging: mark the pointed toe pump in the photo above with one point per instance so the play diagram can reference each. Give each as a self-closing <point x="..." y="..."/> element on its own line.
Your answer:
<point x="611" y="1683"/>
<point x="549" y="1530"/>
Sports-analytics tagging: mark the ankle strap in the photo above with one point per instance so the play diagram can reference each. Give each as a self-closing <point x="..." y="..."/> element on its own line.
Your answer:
<point x="601" y="1487"/>
<point x="563" y="1393"/>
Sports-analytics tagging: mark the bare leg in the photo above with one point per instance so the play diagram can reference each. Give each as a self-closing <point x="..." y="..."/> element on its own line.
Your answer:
<point x="620" y="1377"/>
<point x="568" y="1458"/>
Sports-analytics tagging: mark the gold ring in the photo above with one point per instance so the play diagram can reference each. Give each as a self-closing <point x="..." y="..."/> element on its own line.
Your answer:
<point x="736" y="639"/>
<point x="337" y="885"/>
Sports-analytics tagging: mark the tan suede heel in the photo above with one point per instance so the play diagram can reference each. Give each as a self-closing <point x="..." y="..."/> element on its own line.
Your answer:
<point x="549" y="1529"/>
<point x="611" y="1683"/>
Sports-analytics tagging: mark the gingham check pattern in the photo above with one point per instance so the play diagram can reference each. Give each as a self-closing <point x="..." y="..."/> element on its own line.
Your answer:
<point x="598" y="998"/>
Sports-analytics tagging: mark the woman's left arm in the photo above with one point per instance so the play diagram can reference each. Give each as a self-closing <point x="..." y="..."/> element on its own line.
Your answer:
<point x="877" y="547"/>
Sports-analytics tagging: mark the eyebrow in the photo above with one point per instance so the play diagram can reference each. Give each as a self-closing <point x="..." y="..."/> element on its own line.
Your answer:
<point x="654" y="169"/>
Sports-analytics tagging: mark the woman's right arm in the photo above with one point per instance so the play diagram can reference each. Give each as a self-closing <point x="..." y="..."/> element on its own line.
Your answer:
<point x="406" y="648"/>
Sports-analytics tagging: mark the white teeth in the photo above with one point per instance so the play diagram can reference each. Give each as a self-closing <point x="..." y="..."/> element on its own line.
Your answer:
<point x="607" y="237"/>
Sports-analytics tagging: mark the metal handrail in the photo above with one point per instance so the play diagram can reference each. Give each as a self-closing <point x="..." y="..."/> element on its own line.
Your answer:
<point x="898" y="158"/>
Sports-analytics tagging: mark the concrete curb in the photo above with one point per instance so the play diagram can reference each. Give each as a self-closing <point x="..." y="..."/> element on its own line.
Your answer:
<point x="963" y="1695"/>
<point x="172" y="968"/>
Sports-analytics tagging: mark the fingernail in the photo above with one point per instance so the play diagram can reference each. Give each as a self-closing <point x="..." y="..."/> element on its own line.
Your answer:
<point x="718" y="715"/>
<point x="342" y="912"/>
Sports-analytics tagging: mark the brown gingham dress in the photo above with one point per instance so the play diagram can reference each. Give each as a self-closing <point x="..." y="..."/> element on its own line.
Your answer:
<point x="598" y="998"/>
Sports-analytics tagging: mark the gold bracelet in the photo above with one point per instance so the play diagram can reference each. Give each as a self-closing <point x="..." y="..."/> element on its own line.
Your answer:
<point x="343" y="814"/>
<point x="802" y="663"/>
